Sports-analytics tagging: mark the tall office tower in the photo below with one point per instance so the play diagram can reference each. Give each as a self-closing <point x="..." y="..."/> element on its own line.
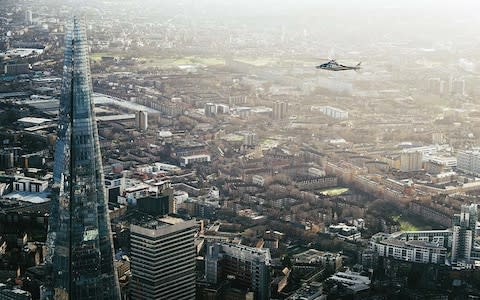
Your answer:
<point x="163" y="259"/>
<point x="279" y="110"/>
<point x="141" y="120"/>
<point x="464" y="233"/>
<point x="79" y="237"/>
<point x="248" y="267"/>
<point x="28" y="17"/>
<point x="283" y="110"/>
<point x="276" y="110"/>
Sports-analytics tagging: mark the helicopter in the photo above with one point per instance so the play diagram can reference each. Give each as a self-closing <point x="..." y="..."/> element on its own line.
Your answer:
<point x="332" y="65"/>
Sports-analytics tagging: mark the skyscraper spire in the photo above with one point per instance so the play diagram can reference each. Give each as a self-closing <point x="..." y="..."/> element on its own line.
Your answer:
<point x="81" y="251"/>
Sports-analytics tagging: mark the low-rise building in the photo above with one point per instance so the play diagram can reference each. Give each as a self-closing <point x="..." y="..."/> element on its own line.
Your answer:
<point x="316" y="257"/>
<point x="352" y="280"/>
<point x="258" y="180"/>
<point x="311" y="291"/>
<point x="114" y="186"/>
<point x="27" y="184"/>
<point x="315" y="182"/>
<point x="187" y="160"/>
<point x="335" y="113"/>
<point x="412" y="250"/>
<point x="13" y="294"/>
<point x="344" y="231"/>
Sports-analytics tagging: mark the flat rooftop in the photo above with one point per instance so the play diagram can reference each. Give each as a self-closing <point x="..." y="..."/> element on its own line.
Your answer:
<point x="33" y="120"/>
<point x="115" y="117"/>
<point x="28" y="197"/>
<point x="105" y="99"/>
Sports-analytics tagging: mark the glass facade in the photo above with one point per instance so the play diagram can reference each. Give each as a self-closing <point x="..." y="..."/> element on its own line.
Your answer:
<point x="79" y="239"/>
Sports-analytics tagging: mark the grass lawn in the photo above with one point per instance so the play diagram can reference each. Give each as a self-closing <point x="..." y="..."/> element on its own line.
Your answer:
<point x="173" y="62"/>
<point x="334" y="191"/>
<point x="257" y="61"/>
<point x="163" y="62"/>
<point x="408" y="223"/>
<point x="407" y="226"/>
<point x="159" y="61"/>
<point x="98" y="55"/>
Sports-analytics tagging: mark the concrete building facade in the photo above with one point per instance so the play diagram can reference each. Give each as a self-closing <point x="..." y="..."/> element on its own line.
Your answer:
<point x="464" y="225"/>
<point x="248" y="266"/>
<point x="469" y="162"/>
<point x="141" y="120"/>
<point x="163" y="259"/>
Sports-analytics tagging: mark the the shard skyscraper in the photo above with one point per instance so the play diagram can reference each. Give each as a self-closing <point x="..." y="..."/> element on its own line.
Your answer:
<point x="80" y="242"/>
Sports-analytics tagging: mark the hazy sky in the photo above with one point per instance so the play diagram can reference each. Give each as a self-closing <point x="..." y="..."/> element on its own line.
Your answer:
<point x="439" y="8"/>
<point x="428" y="21"/>
<point x="334" y="12"/>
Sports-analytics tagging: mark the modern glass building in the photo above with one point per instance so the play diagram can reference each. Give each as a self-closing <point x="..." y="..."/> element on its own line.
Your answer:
<point x="79" y="238"/>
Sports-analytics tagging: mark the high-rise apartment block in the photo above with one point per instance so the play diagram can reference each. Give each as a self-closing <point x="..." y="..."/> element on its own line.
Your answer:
<point x="163" y="259"/>
<point x="79" y="237"/>
<point x="249" y="138"/>
<point x="28" y="17"/>
<point x="411" y="161"/>
<point x="141" y="120"/>
<point x="469" y="162"/>
<point x="464" y="225"/>
<point x="455" y="247"/>
<point x="249" y="267"/>
<point x="279" y="110"/>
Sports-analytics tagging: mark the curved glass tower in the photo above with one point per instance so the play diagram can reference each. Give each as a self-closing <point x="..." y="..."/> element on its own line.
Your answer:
<point x="80" y="242"/>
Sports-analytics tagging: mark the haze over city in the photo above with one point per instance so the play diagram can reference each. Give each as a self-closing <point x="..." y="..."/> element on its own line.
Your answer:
<point x="208" y="149"/>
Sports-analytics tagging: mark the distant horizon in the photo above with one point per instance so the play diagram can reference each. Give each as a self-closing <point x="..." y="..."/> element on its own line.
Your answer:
<point x="374" y="20"/>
